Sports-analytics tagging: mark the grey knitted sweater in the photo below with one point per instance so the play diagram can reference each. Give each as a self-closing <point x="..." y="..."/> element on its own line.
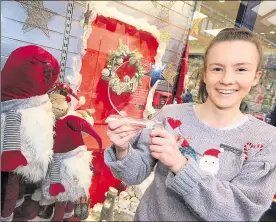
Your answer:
<point x="237" y="184"/>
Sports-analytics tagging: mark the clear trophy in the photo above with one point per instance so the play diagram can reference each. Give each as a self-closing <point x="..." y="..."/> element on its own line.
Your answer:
<point x="137" y="87"/>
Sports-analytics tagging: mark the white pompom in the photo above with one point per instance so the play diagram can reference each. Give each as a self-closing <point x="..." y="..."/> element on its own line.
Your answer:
<point x="82" y="100"/>
<point x="221" y="150"/>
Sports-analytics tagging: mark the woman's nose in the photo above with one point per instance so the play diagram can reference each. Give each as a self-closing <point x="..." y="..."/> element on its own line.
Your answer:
<point x="227" y="78"/>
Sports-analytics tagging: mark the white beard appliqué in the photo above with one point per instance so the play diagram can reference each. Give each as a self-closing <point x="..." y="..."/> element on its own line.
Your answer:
<point x="209" y="164"/>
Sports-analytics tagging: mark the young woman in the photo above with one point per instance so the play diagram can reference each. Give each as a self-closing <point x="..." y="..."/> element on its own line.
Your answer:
<point x="224" y="167"/>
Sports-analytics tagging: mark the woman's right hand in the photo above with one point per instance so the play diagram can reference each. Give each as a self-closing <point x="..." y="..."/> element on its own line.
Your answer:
<point x="120" y="133"/>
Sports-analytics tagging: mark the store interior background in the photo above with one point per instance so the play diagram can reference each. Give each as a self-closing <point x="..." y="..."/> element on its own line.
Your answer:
<point x="211" y="17"/>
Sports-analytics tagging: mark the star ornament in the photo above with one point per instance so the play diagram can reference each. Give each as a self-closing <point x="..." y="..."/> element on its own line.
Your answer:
<point x="38" y="16"/>
<point x="169" y="74"/>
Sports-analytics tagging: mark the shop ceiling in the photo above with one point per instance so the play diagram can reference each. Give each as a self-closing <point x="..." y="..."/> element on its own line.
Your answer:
<point x="266" y="19"/>
<point x="219" y="15"/>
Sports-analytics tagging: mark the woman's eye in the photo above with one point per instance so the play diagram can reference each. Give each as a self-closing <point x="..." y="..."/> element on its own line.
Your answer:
<point x="217" y="69"/>
<point x="242" y="69"/>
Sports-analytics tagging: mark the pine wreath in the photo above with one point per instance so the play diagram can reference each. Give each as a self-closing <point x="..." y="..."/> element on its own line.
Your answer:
<point x="117" y="58"/>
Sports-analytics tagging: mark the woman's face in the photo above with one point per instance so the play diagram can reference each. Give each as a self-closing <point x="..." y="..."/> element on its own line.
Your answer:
<point x="231" y="72"/>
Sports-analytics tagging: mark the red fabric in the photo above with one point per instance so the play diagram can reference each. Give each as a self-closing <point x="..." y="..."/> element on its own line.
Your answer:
<point x="56" y="188"/>
<point x="102" y="180"/>
<point x="184" y="70"/>
<point x="68" y="134"/>
<point x="12" y="159"/>
<point x="29" y="71"/>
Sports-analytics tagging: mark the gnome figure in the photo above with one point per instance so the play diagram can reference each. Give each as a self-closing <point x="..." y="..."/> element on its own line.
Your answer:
<point x="69" y="175"/>
<point x="26" y="120"/>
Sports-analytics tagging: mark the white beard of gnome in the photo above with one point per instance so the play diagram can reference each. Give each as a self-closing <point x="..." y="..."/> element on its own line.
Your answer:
<point x="210" y="161"/>
<point x="37" y="142"/>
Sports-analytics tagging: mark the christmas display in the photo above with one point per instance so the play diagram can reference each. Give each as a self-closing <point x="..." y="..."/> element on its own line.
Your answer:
<point x="120" y="206"/>
<point x="117" y="58"/>
<point x="26" y="121"/>
<point x="65" y="183"/>
<point x="119" y="53"/>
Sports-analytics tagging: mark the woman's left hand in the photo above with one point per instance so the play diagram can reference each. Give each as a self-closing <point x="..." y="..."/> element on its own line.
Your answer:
<point x="163" y="147"/>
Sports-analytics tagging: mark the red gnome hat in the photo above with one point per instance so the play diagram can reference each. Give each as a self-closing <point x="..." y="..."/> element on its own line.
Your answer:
<point x="29" y="72"/>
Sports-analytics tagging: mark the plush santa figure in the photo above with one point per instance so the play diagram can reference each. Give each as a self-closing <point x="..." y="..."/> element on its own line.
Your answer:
<point x="26" y="119"/>
<point x="69" y="175"/>
<point x="210" y="161"/>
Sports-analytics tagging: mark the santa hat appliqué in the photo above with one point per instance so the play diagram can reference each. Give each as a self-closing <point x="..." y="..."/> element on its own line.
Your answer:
<point x="213" y="152"/>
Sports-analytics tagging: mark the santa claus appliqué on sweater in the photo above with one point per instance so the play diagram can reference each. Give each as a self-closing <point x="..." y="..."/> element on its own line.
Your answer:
<point x="210" y="161"/>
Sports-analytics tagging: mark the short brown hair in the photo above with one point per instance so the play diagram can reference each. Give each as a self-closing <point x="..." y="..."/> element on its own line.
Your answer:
<point x="229" y="34"/>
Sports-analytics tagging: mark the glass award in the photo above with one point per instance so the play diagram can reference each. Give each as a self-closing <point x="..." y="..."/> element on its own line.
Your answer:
<point x="138" y="89"/>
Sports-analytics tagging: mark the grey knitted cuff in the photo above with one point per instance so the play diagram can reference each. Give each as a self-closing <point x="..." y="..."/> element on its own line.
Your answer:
<point x="55" y="170"/>
<point x="183" y="182"/>
<point x="12" y="140"/>
<point x="118" y="165"/>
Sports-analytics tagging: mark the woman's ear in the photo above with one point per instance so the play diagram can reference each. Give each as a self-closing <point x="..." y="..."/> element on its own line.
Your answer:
<point x="257" y="78"/>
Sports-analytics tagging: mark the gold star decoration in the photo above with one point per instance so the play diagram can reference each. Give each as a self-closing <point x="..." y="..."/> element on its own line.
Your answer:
<point x="170" y="73"/>
<point x="165" y="36"/>
<point x="38" y="16"/>
<point x="87" y="15"/>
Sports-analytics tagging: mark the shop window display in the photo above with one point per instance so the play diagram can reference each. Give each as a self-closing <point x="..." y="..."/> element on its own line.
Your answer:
<point x="113" y="39"/>
<point x="110" y="37"/>
<point x="159" y="36"/>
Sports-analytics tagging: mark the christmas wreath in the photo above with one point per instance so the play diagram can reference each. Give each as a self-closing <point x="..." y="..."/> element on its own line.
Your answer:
<point x="114" y="61"/>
